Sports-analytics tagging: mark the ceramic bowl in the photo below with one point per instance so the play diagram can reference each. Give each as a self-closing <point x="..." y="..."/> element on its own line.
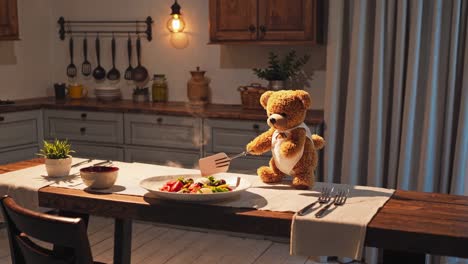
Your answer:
<point x="99" y="177"/>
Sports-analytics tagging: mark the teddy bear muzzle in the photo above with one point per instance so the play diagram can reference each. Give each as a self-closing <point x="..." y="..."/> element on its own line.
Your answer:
<point x="276" y="121"/>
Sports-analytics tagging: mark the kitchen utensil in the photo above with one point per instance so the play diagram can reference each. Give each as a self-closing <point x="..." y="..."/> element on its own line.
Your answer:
<point x="217" y="163"/>
<point x="81" y="163"/>
<point x="99" y="177"/>
<point x="106" y="162"/>
<point x="128" y="71"/>
<point x="71" y="69"/>
<point x="340" y="199"/>
<point x="154" y="184"/>
<point x="99" y="73"/>
<point x="139" y="74"/>
<point x="86" y="66"/>
<point x="325" y="197"/>
<point x="113" y="73"/>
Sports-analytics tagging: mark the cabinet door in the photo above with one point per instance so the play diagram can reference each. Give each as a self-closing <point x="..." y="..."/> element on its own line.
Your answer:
<point x="163" y="156"/>
<point x="287" y="20"/>
<point x="233" y="20"/>
<point x="20" y="128"/>
<point x="8" y="20"/>
<point x="98" y="152"/>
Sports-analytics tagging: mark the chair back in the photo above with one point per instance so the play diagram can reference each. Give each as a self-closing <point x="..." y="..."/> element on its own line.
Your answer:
<point x="63" y="232"/>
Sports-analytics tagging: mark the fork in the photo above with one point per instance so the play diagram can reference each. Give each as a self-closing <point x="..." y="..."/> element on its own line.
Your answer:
<point x="340" y="199"/>
<point x="325" y="197"/>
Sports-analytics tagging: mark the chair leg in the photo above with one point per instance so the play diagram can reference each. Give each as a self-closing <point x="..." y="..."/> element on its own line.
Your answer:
<point x="122" y="241"/>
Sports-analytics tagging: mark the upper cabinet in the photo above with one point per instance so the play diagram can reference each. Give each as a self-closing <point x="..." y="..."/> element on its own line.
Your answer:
<point x="9" y="20"/>
<point x="265" y="21"/>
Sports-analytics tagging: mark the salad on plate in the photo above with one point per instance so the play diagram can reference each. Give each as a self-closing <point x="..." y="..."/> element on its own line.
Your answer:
<point x="202" y="185"/>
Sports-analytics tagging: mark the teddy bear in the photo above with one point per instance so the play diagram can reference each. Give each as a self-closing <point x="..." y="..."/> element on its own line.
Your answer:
<point x="294" y="149"/>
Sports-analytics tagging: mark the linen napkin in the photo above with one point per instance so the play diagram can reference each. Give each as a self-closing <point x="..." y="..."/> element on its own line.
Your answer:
<point x="342" y="231"/>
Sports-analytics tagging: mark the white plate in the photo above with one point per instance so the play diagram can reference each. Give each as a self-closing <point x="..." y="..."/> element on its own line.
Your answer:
<point x="154" y="184"/>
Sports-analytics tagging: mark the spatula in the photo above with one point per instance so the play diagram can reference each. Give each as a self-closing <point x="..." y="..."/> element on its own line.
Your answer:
<point x="217" y="163"/>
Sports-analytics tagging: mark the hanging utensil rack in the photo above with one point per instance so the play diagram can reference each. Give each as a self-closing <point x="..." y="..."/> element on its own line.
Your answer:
<point x="112" y="27"/>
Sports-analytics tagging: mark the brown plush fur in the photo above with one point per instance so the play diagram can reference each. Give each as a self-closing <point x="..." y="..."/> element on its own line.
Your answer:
<point x="288" y="109"/>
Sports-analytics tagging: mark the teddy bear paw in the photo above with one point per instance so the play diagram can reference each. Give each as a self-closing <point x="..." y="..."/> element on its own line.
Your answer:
<point x="268" y="175"/>
<point x="301" y="183"/>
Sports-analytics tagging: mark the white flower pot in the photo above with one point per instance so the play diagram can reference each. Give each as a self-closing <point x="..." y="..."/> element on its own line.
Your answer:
<point x="58" y="167"/>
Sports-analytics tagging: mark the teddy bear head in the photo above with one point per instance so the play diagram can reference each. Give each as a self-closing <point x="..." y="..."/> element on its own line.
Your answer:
<point x="286" y="108"/>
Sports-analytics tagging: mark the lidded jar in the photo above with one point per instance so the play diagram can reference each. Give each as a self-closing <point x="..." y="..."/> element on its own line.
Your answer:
<point x="198" y="88"/>
<point x="159" y="88"/>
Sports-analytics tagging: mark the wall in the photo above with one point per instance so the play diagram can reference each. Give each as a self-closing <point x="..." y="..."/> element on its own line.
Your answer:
<point x="46" y="59"/>
<point x="25" y="69"/>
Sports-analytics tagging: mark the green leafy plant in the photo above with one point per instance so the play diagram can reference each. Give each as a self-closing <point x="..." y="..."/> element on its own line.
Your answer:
<point x="140" y="90"/>
<point x="58" y="149"/>
<point x="281" y="70"/>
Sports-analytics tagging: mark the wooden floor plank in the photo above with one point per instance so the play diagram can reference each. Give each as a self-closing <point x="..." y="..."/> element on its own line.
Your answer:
<point x="203" y="243"/>
<point x="278" y="253"/>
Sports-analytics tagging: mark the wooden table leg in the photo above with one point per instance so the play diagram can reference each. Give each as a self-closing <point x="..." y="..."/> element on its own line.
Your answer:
<point x="122" y="241"/>
<point x="392" y="256"/>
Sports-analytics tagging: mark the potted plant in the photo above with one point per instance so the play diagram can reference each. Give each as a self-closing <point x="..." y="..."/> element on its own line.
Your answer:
<point x="140" y="94"/>
<point x="57" y="157"/>
<point x="278" y="71"/>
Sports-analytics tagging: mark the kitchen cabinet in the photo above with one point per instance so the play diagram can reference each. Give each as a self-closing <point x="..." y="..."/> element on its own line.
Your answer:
<point x="163" y="139"/>
<point x="84" y="126"/>
<point x="93" y="151"/>
<point x="9" y="29"/>
<point x="231" y="137"/>
<point x="265" y="21"/>
<point x="21" y="134"/>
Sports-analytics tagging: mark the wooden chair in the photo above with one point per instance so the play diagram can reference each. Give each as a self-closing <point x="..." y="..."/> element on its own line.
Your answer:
<point x="68" y="234"/>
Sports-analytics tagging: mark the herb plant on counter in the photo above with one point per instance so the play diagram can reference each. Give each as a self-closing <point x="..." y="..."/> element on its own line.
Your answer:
<point x="281" y="70"/>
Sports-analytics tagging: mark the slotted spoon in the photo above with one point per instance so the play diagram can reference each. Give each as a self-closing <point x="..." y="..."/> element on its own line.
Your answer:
<point x="86" y="66"/>
<point x="71" y="69"/>
<point x="217" y="163"/>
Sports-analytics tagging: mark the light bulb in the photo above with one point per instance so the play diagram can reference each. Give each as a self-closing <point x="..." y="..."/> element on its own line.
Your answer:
<point x="175" y="23"/>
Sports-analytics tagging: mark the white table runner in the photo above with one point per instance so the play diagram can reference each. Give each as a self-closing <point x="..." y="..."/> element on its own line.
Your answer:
<point x="341" y="233"/>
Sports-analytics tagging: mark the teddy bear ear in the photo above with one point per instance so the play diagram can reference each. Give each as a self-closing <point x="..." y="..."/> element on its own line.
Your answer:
<point x="305" y="98"/>
<point x="264" y="98"/>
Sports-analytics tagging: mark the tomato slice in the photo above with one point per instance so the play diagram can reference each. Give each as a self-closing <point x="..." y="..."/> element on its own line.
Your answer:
<point x="177" y="186"/>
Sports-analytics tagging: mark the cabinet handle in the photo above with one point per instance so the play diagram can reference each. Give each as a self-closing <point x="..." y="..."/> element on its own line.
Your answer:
<point x="256" y="127"/>
<point x="252" y="28"/>
<point x="2" y="118"/>
<point x="159" y="120"/>
<point x="83" y="129"/>
<point x="84" y="115"/>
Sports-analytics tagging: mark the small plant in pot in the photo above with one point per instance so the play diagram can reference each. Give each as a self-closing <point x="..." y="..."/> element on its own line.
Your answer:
<point x="281" y="70"/>
<point x="57" y="157"/>
<point x="140" y="94"/>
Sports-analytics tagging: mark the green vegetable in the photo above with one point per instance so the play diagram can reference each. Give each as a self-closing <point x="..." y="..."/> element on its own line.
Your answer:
<point x="56" y="150"/>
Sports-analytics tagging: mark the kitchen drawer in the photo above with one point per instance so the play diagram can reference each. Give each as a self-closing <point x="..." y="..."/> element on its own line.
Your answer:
<point x="162" y="156"/>
<point x="84" y="126"/>
<point x="231" y="136"/>
<point x="20" y="128"/>
<point x="98" y="152"/>
<point x="162" y="131"/>
<point x="20" y="154"/>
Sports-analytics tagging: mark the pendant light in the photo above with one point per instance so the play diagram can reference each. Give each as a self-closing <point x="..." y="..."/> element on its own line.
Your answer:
<point x="175" y="23"/>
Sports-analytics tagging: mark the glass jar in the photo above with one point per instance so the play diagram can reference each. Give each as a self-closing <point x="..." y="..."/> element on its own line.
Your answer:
<point x="159" y="88"/>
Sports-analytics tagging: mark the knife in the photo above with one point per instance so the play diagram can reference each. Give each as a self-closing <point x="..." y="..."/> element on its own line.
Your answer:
<point x="81" y="163"/>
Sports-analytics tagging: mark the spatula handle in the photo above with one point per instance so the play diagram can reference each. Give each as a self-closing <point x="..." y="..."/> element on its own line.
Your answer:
<point x="242" y="154"/>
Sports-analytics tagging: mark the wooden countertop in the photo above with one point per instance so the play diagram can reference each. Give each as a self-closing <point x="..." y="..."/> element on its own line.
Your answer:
<point x="171" y="108"/>
<point x="418" y="222"/>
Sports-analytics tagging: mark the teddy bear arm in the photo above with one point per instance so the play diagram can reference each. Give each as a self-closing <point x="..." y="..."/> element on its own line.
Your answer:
<point x="295" y="143"/>
<point x="260" y="144"/>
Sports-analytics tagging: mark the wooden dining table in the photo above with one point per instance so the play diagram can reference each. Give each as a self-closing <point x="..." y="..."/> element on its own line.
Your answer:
<point x="408" y="226"/>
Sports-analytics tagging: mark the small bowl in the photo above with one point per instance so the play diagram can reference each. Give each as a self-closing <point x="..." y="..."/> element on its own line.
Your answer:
<point x="99" y="177"/>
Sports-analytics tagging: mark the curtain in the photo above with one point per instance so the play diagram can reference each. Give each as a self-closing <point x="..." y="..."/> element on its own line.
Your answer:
<point x="396" y="102"/>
